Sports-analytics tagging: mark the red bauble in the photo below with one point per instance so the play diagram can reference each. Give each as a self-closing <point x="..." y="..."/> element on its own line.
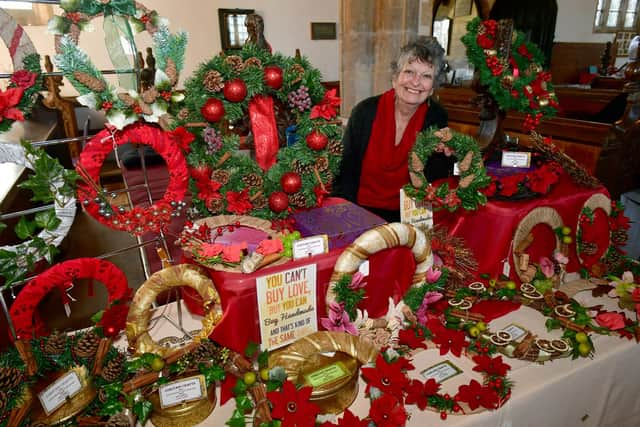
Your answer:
<point x="273" y="77"/>
<point x="316" y="140"/>
<point x="290" y="182"/>
<point x="212" y="110"/>
<point x="110" y="331"/>
<point x="235" y="90"/>
<point x="278" y="201"/>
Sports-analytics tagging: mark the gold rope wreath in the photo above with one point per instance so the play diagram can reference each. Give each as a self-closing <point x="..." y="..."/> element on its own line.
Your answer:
<point x="139" y="316"/>
<point x="596" y="201"/>
<point x="379" y="238"/>
<point x="542" y="215"/>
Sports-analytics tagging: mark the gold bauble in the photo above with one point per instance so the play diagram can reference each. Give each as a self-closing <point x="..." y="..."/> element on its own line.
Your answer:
<point x="543" y="102"/>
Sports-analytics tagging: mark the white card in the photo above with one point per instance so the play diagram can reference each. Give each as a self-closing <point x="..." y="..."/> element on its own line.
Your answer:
<point x="309" y="246"/>
<point x="456" y="169"/>
<point x="516" y="159"/>
<point x="181" y="391"/>
<point x="59" y="391"/>
<point x="516" y="331"/>
<point x="442" y="371"/>
<point x="506" y="268"/>
<point x="364" y="268"/>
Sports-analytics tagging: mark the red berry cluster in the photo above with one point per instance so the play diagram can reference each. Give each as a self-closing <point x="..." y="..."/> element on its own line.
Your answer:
<point x="531" y="122"/>
<point x="494" y="65"/>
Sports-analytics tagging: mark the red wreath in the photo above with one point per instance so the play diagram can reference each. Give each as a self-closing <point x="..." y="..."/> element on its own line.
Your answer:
<point x="137" y="220"/>
<point x="61" y="276"/>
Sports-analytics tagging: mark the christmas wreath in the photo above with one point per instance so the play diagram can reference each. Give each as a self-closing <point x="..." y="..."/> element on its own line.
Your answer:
<point x="473" y="176"/>
<point x="268" y="94"/>
<point x="137" y="220"/>
<point x="49" y="183"/>
<point x="517" y="82"/>
<point x="155" y="104"/>
<point x="61" y="276"/>
<point x="21" y="94"/>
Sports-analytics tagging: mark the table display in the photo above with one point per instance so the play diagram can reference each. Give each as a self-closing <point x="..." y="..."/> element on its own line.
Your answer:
<point x="518" y="300"/>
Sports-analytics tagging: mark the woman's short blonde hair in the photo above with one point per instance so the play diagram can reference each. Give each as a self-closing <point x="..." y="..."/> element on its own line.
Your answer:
<point x="424" y="49"/>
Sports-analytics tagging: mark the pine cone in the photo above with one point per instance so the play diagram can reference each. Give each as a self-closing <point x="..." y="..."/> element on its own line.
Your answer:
<point x="589" y="248"/>
<point x="205" y="352"/>
<point x="466" y="181"/>
<point x="322" y="163"/>
<point x="127" y="99"/>
<point x="465" y="164"/>
<point x="259" y="202"/>
<point x="119" y="420"/>
<point x="415" y="164"/>
<point x="298" y="199"/>
<point x="220" y="176"/>
<point x="301" y="168"/>
<point x="213" y="81"/>
<point x="149" y="96"/>
<point x="10" y="378"/>
<point x="87" y="345"/>
<point x="335" y="147"/>
<point x="297" y="70"/>
<point x="113" y="368"/>
<point x="253" y="180"/>
<point x="93" y="83"/>
<point x="56" y="344"/>
<point x="619" y="237"/>
<point x="183" y="114"/>
<point x="235" y="62"/>
<point x="252" y="62"/>
<point x="4" y="401"/>
<point x="146" y="109"/>
<point x="216" y="206"/>
<point x="171" y="71"/>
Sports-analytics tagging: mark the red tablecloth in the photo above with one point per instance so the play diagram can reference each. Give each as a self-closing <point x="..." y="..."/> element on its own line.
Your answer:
<point x="488" y="232"/>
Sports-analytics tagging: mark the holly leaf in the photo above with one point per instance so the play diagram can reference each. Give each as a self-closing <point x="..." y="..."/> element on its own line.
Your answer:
<point x="24" y="228"/>
<point x="142" y="409"/>
<point x="47" y="220"/>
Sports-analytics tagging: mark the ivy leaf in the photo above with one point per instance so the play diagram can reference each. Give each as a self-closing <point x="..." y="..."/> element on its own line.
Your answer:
<point x="49" y="253"/>
<point x="47" y="220"/>
<point x="263" y="359"/>
<point x="244" y="403"/>
<point x="211" y="374"/>
<point x="552" y="324"/>
<point x="142" y="410"/>
<point x="236" y="420"/>
<point x="251" y="349"/>
<point x="25" y="228"/>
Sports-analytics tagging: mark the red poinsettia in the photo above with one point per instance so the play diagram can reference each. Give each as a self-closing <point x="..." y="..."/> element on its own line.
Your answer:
<point x="114" y="319"/>
<point x="387" y="411"/>
<point x="418" y="393"/>
<point x="388" y="377"/>
<point x="412" y="338"/>
<point x="23" y="78"/>
<point x="490" y="365"/>
<point x="292" y="407"/>
<point x="541" y="180"/>
<point x="8" y="101"/>
<point x="183" y="138"/>
<point x="347" y="420"/>
<point x="474" y="394"/>
<point x="327" y="107"/>
<point x="510" y="185"/>
<point x="490" y="190"/>
<point x="450" y="340"/>
<point x="238" y="202"/>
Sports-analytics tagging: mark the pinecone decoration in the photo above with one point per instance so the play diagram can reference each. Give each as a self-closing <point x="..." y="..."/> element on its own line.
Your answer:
<point x="10" y="378"/>
<point x="4" y="401"/>
<point x="204" y="352"/>
<point x="213" y="81"/>
<point x="87" y="345"/>
<point x="619" y="237"/>
<point x="252" y="62"/>
<point x="322" y="163"/>
<point x="252" y="180"/>
<point x="149" y="96"/>
<point x="216" y="205"/>
<point x="56" y="344"/>
<point x="235" y="62"/>
<point x="113" y="368"/>
<point x="171" y="70"/>
<point x="301" y="168"/>
<point x="298" y="200"/>
<point x="220" y="176"/>
<point x="589" y="248"/>
<point x="297" y="69"/>
<point x="93" y="83"/>
<point x="259" y="202"/>
<point x="119" y="420"/>
<point x="335" y="147"/>
<point x="183" y="114"/>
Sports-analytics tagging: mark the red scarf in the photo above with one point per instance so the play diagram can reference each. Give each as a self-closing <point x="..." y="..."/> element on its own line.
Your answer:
<point x="384" y="168"/>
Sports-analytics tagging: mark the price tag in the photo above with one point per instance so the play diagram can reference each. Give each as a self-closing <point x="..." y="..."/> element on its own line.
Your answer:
<point x="309" y="246"/>
<point x="327" y="375"/>
<point x="516" y="159"/>
<point x="441" y="371"/>
<point x="516" y="331"/>
<point x="506" y="268"/>
<point x="59" y="391"/>
<point x="182" y="391"/>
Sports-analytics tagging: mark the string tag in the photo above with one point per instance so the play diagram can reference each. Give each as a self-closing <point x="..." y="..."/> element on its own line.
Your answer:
<point x="506" y="268"/>
<point x="112" y="130"/>
<point x="68" y="298"/>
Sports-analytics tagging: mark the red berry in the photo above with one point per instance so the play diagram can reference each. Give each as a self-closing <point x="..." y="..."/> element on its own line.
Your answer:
<point x="443" y="415"/>
<point x="447" y="397"/>
<point x="456" y="408"/>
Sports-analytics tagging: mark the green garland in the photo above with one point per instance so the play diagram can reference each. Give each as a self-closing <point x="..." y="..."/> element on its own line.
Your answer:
<point x="473" y="176"/>
<point x="516" y="83"/>
<point x="29" y="78"/>
<point x="215" y="149"/>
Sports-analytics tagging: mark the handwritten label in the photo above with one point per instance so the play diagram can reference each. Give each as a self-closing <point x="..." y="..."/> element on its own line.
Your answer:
<point x="516" y="159"/>
<point x="326" y="375"/>
<point x="415" y="213"/>
<point x="182" y="391"/>
<point x="309" y="246"/>
<point x="59" y="391"/>
<point x="287" y="305"/>
<point x="441" y="371"/>
<point x="516" y="331"/>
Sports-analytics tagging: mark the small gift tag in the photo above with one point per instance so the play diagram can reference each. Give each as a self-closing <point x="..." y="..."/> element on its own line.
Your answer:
<point x="441" y="371"/>
<point x="516" y="159"/>
<point x="182" y="391"/>
<point x="309" y="246"/>
<point x="506" y="268"/>
<point x="67" y="299"/>
<point x="59" y="391"/>
<point x="456" y="169"/>
<point x="517" y="332"/>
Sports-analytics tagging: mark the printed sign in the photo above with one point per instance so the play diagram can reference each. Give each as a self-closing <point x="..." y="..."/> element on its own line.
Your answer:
<point x="309" y="246"/>
<point x="516" y="331"/>
<point x="415" y="213"/>
<point x="441" y="371"/>
<point x="59" y="391"/>
<point x="516" y="159"/>
<point x="181" y="391"/>
<point x="287" y="306"/>
<point x="327" y="375"/>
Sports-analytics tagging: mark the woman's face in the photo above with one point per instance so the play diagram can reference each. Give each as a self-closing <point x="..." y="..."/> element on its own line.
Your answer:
<point x="414" y="82"/>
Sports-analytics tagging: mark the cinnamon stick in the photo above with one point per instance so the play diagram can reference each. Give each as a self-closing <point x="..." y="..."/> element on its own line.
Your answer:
<point x="523" y="348"/>
<point x="571" y="325"/>
<point x="255" y="196"/>
<point x="140" y="380"/>
<point x="177" y="354"/>
<point x="263" y="413"/>
<point x="223" y="159"/>
<point x="24" y="348"/>
<point x="101" y="353"/>
<point x="91" y="421"/>
<point x="317" y="174"/>
<point x="239" y="365"/>
<point x="466" y="315"/>
<point x="196" y="125"/>
<point x="17" y="414"/>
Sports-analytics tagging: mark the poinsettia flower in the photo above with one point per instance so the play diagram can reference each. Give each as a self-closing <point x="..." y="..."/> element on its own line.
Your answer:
<point x="388" y="377"/>
<point x="546" y="266"/>
<point x="433" y="275"/>
<point x="509" y="185"/>
<point x="233" y="253"/>
<point x="8" y="101"/>
<point x="270" y="246"/>
<point x="490" y="190"/>
<point x="422" y="314"/>
<point x="540" y="181"/>
<point x="450" y="340"/>
<point x="183" y="138"/>
<point x="490" y="365"/>
<point x="348" y="420"/>
<point x="388" y="411"/>
<point x="474" y="394"/>
<point x="23" y="78"/>
<point x="418" y="393"/>
<point x="338" y="320"/>
<point x="238" y="202"/>
<point x="210" y="250"/>
<point x="357" y="281"/>
<point x="292" y="407"/>
<point x="413" y="338"/>
<point x="611" y="320"/>
<point x="326" y="108"/>
<point x="200" y="173"/>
